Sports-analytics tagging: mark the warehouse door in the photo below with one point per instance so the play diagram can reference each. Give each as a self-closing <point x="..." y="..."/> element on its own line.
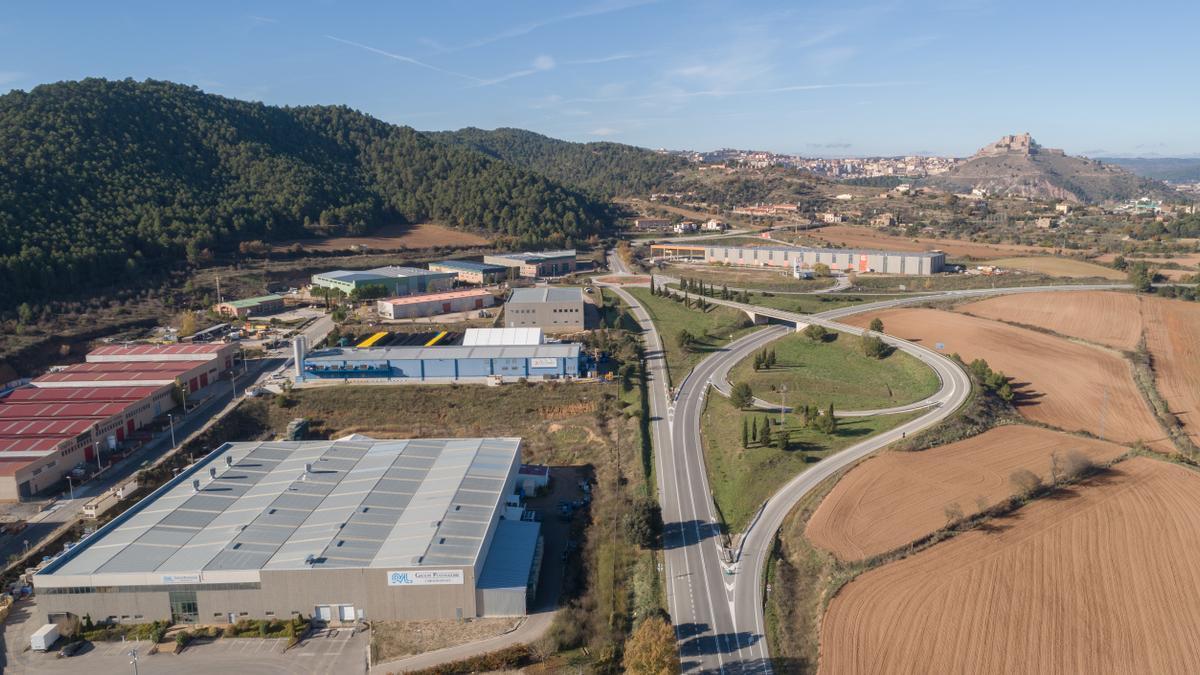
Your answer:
<point x="478" y="303"/>
<point x="346" y="613"/>
<point x="323" y="614"/>
<point x="193" y="384"/>
<point x="129" y="426"/>
<point x="445" y="308"/>
<point x="203" y="379"/>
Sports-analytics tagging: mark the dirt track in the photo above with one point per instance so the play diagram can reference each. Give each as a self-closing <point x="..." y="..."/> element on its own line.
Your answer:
<point x="897" y="497"/>
<point x="1062" y="383"/>
<point x="860" y="237"/>
<point x="1112" y="319"/>
<point x="1096" y="581"/>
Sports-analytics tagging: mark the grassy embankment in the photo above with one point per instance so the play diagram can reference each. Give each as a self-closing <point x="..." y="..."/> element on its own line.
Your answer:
<point x="743" y="478"/>
<point x="838" y="372"/>
<point x="713" y="329"/>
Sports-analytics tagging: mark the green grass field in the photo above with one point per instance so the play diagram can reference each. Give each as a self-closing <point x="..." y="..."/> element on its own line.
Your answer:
<point x="743" y="478"/>
<point x="837" y="372"/>
<point x="713" y="328"/>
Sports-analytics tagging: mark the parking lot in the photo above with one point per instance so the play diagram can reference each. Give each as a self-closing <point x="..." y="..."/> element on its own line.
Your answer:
<point x="328" y="651"/>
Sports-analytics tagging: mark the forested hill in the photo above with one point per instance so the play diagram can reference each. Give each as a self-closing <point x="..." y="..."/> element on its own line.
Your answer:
<point x="102" y="180"/>
<point x="608" y="169"/>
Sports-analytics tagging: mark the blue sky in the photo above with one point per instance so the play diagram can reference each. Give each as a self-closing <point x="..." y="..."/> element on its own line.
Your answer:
<point x="815" y="77"/>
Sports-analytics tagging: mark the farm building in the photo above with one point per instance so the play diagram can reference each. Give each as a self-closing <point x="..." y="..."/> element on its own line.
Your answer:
<point x="553" y="309"/>
<point x="345" y="531"/>
<point x="396" y="280"/>
<point x="431" y="304"/>
<point x="240" y="309"/>
<point x="535" y="265"/>
<point x="837" y="259"/>
<point x="471" y="272"/>
<point x="446" y="364"/>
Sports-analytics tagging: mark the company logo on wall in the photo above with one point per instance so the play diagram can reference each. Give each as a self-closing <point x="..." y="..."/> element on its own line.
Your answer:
<point x="425" y="577"/>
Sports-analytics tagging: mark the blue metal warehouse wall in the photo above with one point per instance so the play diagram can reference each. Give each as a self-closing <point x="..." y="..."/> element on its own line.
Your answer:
<point x="419" y="369"/>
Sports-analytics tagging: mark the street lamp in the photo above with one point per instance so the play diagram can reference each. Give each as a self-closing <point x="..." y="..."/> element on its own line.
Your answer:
<point x="171" y="420"/>
<point x="132" y="654"/>
<point x="71" y="485"/>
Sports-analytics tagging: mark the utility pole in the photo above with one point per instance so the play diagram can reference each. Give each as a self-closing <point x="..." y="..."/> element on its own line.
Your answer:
<point x="171" y="420"/>
<point x="218" y="277"/>
<point x="132" y="654"/>
<point x="782" y="403"/>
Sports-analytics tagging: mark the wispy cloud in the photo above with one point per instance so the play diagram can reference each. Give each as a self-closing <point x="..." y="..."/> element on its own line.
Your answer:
<point x="540" y="64"/>
<point x="263" y="19"/>
<point x="524" y="29"/>
<point x="404" y="59"/>
<point x="7" y="77"/>
<point x="720" y="93"/>
<point x="623" y="56"/>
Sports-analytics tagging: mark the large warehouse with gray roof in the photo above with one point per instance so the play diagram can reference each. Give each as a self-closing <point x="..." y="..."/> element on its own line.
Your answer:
<point x="341" y="530"/>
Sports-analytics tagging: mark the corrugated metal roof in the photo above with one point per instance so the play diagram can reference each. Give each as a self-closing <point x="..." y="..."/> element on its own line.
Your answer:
<point x="536" y="256"/>
<point x="554" y="350"/>
<point x="546" y="294"/>
<point x="811" y="249"/>
<point x="493" y="337"/>
<point x="378" y="274"/>
<point x="59" y="410"/>
<point x="199" y="350"/>
<point x="80" y="394"/>
<point x="511" y="555"/>
<point x="365" y="503"/>
<point x="253" y="302"/>
<point x="134" y="366"/>
<point x="44" y="427"/>
<point x="437" y="297"/>
<point x="470" y="266"/>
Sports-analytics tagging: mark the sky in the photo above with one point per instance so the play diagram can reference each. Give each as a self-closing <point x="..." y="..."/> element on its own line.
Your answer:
<point x="813" y="77"/>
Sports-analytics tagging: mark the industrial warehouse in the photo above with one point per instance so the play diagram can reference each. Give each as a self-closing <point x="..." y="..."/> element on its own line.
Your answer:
<point x="445" y="364"/>
<point x="553" y="309"/>
<point x="432" y="304"/>
<point x="394" y="280"/>
<point x="536" y="265"/>
<point x="75" y="414"/>
<point x="803" y="258"/>
<point x="343" y="530"/>
<point x="471" y="272"/>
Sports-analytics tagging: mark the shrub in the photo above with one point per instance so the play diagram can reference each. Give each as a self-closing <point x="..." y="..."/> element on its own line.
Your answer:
<point x="742" y="396"/>
<point x="816" y="333"/>
<point x="873" y="347"/>
<point x="1025" y="482"/>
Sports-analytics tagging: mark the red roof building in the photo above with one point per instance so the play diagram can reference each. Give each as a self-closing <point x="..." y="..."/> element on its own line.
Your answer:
<point x="83" y="394"/>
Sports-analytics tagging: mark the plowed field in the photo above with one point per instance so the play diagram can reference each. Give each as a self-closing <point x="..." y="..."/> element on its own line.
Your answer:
<point x="1171" y="328"/>
<point x="1098" y="581"/>
<point x="1062" y="383"/>
<point x="1112" y="319"/>
<point x="1173" y="338"/>
<point x="859" y="237"/>
<point x="898" y="497"/>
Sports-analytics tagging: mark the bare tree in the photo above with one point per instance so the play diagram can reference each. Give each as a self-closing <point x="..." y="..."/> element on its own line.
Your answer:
<point x="1056" y="470"/>
<point x="1025" y="482"/>
<point x="1077" y="464"/>
<point x="981" y="503"/>
<point x="953" y="513"/>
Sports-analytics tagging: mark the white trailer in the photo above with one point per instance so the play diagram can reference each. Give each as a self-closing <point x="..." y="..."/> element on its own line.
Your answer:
<point x="44" y="638"/>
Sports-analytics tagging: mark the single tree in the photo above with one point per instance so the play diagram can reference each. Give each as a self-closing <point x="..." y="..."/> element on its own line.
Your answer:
<point x="741" y="396"/>
<point x="873" y="347"/>
<point x="815" y="332"/>
<point x="684" y="340"/>
<point x="877" y="325"/>
<point x="953" y="513"/>
<point x="1025" y="482"/>
<point x="745" y="433"/>
<point x="650" y="650"/>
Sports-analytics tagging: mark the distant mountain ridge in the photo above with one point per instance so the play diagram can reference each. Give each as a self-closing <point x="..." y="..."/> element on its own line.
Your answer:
<point x="1174" y="169"/>
<point x="1016" y="165"/>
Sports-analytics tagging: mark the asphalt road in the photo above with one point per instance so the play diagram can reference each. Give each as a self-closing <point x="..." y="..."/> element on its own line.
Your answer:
<point x="714" y="593"/>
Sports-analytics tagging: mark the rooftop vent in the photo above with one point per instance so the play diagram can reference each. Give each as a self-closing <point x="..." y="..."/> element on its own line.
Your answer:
<point x="212" y="472"/>
<point x="196" y="485"/>
<point x="308" y="468"/>
<point x="228" y="460"/>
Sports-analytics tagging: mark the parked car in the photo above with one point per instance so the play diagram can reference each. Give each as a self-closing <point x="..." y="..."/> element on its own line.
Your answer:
<point x="72" y="648"/>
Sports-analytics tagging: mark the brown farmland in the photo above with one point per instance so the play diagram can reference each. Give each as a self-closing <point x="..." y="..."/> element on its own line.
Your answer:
<point x="1171" y="329"/>
<point x="1173" y="338"/>
<point x="394" y="238"/>
<point x="858" y="237"/>
<point x="1103" y="317"/>
<point x="898" y="497"/>
<point x="1097" y="581"/>
<point x="1061" y="383"/>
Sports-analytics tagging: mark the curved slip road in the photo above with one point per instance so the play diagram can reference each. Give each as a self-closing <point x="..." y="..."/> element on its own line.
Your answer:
<point x="715" y="595"/>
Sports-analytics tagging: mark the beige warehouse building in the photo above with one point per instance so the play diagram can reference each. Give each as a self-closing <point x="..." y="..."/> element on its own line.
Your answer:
<point x="554" y="309"/>
<point x="344" y="531"/>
